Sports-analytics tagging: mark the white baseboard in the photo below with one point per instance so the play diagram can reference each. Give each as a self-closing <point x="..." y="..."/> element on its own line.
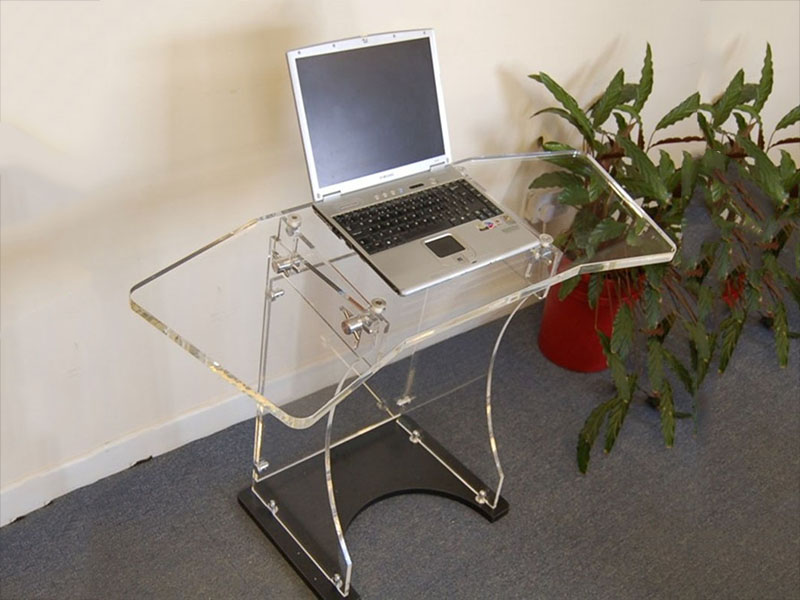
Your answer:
<point x="38" y="490"/>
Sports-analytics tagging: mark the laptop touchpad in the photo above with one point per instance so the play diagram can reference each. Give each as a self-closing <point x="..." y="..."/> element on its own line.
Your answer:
<point x="444" y="246"/>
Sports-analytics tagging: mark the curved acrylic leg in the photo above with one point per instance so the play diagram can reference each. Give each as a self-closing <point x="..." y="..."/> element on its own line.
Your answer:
<point x="342" y="582"/>
<point x="489" y="423"/>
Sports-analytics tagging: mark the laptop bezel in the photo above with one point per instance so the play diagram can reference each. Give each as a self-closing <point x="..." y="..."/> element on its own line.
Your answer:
<point x="337" y="189"/>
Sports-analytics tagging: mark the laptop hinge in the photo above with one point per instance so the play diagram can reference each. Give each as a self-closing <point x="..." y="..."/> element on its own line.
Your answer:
<point x="438" y="166"/>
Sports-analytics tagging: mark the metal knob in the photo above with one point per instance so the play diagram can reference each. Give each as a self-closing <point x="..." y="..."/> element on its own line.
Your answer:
<point x="293" y="223"/>
<point x="354" y="324"/>
<point x="378" y="305"/>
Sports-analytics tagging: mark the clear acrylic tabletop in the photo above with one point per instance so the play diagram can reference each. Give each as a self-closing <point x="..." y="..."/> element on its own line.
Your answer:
<point x="283" y="310"/>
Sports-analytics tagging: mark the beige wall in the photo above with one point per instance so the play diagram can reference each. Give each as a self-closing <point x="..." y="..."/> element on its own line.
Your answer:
<point x="135" y="131"/>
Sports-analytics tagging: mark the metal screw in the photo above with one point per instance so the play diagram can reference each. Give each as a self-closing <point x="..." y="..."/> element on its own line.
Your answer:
<point x="337" y="580"/>
<point x="378" y="305"/>
<point x="415" y="436"/>
<point x="293" y="223"/>
<point x="272" y="506"/>
<point x="482" y="497"/>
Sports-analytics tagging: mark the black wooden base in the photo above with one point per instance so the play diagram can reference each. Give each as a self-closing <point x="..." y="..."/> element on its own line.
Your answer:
<point x="381" y="463"/>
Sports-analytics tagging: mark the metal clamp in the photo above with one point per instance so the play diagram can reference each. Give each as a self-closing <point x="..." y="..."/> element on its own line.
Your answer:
<point x="355" y="324"/>
<point x="542" y="257"/>
<point x="284" y="264"/>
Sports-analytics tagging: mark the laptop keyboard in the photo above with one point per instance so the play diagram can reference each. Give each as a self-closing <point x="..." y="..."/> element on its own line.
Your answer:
<point x="407" y="218"/>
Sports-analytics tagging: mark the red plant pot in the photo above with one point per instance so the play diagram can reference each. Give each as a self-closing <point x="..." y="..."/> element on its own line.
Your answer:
<point x="568" y="332"/>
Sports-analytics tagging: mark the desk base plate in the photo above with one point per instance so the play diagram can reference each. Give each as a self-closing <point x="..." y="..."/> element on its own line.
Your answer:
<point x="378" y="464"/>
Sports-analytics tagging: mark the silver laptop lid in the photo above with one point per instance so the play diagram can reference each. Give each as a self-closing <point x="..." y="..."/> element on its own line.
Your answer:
<point x="371" y="110"/>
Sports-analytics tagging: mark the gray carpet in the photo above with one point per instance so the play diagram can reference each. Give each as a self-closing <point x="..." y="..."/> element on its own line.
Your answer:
<point x="717" y="516"/>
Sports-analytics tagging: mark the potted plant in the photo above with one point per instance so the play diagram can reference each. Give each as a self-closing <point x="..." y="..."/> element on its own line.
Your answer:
<point x="733" y="212"/>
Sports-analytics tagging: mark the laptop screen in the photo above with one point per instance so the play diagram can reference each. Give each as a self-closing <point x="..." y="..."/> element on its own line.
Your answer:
<point x="370" y="109"/>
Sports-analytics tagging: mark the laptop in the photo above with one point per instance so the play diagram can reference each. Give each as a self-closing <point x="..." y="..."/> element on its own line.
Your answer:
<point x="374" y="131"/>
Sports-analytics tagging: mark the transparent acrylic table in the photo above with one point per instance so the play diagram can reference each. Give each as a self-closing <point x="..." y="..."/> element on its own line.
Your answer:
<point x="349" y="407"/>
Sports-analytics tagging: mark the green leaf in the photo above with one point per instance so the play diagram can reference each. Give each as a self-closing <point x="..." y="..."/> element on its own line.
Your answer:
<point x="723" y="260"/>
<point x="730" y="329"/>
<point x="607" y="229"/>
<point x="685" y="109"/>
<point x="590" y="431"/>
<point x="764" y="88"/>
<point x="780" y="327"/>
<point x="631" y="111"/>
<point x="750" y="111"/>
<point x="655" y="363"/>
<point x="705" y="300"/>
<point x="622" y="331"/>
<point x="677" y="367"/>
<point x="741" y="124"/>
<point x="730" y="98"/>
<point x="636" y="187"/>
<point x="689" y="168"/>
<point x="788" y="169"/>
<point x="699" y="336"/>
<point x="652" y="307"/>
<point x="655" y="274"/>
<point x="792" y="283"/>
<point x="596" y="285"/>
<point x="616" y="417"/>
<point x="556" y="179"/>
<point x="705" y="127"/>
<point x="574" y="195"/>
<point x="790" y="118"/>
<point x="609" y="99"/>
<point x="617" y="367"/>
<point x="566" y="287"/>
<point x="557" y="147"/>
<point x="605" y="342"/>
<point x="666" y="168"/>
<point x="597" y="187"/>
<point x="634" y="238"/>
<point x="561" y="113"/>
<point x="629" y="92"/>
<point x="752" y="296"/>
<point x="667" y="408"/>
<point x="749" y="91"/>
<point x="703" y="366"/>
<point x="622" y="124"/>
<point x="647" y="171"/>
<point x="712" y="161"/>
<point x="585" y="221"/>
<point x="764" y="171"/>
<point x="716" y="191"/>
<point x="645" y="81"/>
<point x="575" y="165"/>
<point x="568" y="102"/>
